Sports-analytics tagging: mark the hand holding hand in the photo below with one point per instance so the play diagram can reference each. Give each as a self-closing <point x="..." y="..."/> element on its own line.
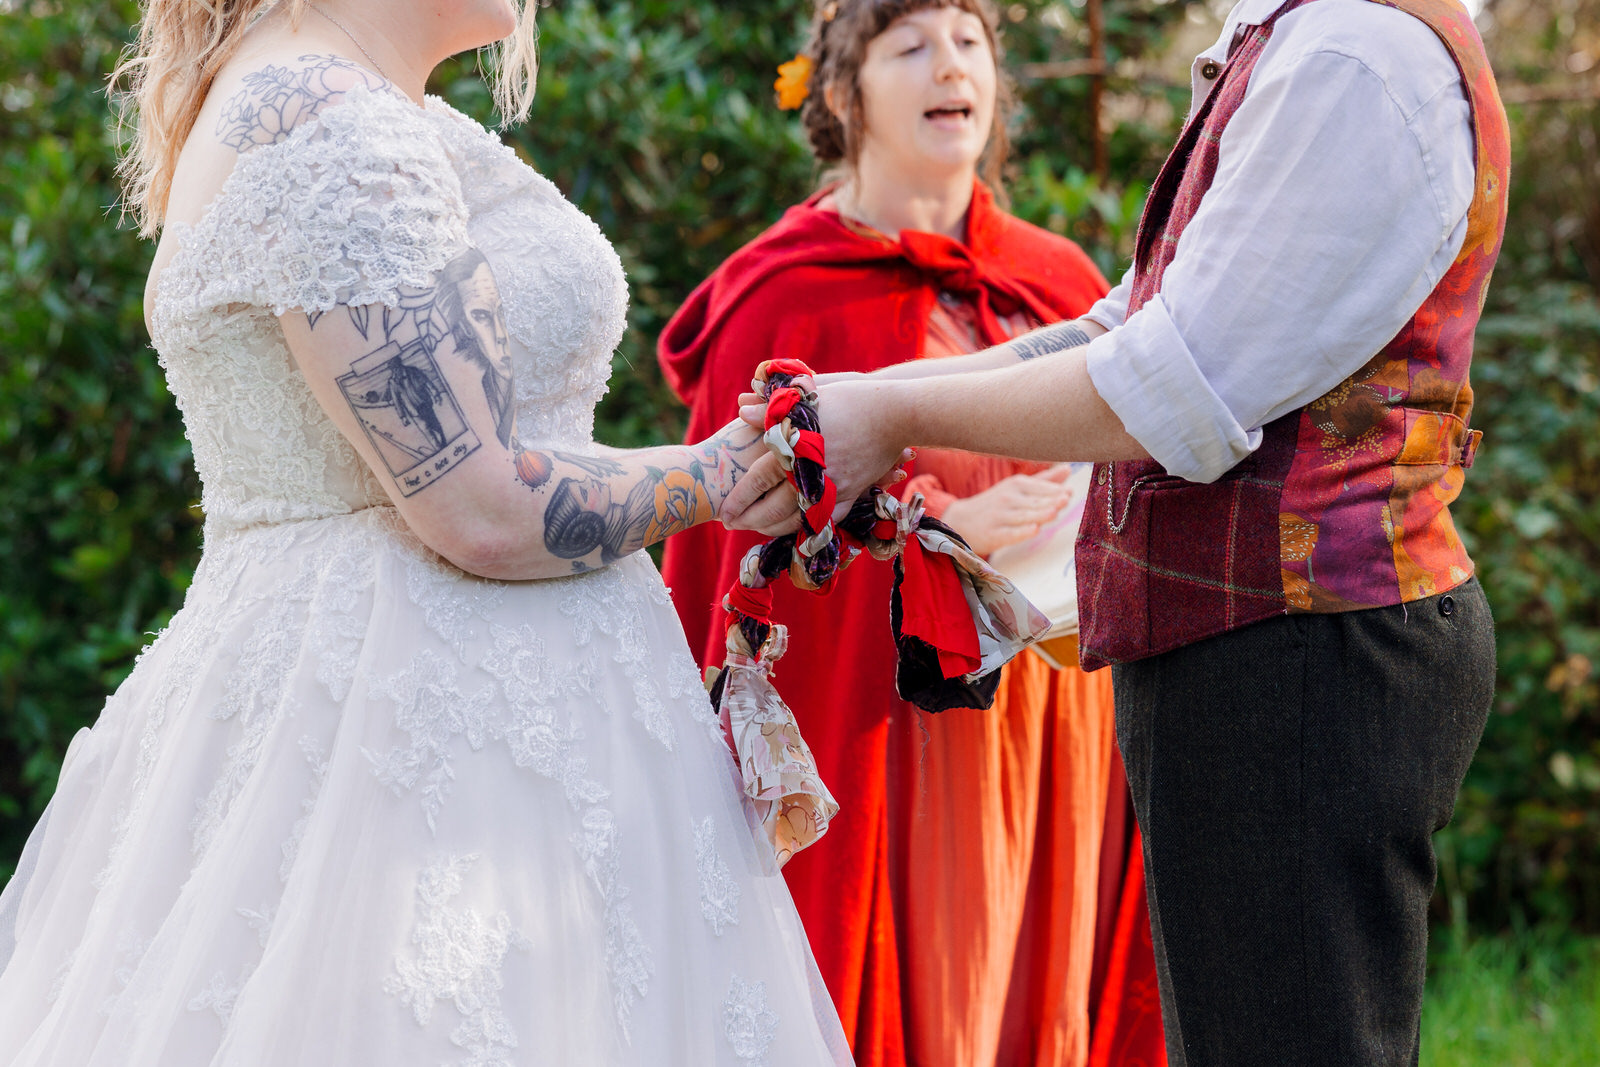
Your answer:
<point x="862" y="422"/>
<point x="859" y="431"/>
<point x="1011" y="510"/>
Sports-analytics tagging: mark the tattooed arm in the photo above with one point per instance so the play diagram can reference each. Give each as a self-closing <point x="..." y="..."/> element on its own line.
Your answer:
<point x="1056" y="338"/>
<point x="1031" y="398"/>
<point x="424" y="392"/>
<point x="1044" y="341"/>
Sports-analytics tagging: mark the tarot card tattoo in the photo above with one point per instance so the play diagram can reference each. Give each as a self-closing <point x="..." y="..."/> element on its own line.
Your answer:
<point x="398" y="392"/>
<point x="409" y="414"/>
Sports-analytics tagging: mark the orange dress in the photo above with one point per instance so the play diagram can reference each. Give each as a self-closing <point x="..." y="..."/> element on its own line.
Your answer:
<point x="996" y="839"/>
<point x="978" y="899"/>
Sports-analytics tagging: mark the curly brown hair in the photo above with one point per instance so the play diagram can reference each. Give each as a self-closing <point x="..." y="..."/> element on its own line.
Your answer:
<point x="837" y="46"/>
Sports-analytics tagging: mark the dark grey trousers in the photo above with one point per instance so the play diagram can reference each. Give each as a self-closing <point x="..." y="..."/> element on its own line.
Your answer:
<point x="1288" y="778"/>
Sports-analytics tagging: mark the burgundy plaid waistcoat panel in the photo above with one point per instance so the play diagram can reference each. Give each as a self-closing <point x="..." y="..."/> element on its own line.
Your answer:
<point x="1345" y="504"/>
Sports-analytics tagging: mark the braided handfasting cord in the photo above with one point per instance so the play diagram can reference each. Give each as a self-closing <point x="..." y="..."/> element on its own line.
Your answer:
<point x="956" y="621"/>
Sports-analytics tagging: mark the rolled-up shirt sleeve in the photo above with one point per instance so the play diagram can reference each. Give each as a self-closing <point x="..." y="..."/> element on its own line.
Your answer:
<point x="1336" y="208"/>
<point x="1111" y="310"/>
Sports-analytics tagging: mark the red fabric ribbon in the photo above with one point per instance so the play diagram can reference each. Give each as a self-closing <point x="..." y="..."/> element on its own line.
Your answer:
<point x="936" y="610"/>
<point x="780" y="404"/>
<point x="934" y="606"/>
<point x="818" y="514"/>
<point x="756" y="603"/>
<point x="953" y="268"/>
<point x="794" y="368"/>
<point x="810" y="446"/>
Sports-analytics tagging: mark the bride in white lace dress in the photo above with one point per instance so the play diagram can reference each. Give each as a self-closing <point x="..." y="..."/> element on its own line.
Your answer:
<point x="357" y="806"/>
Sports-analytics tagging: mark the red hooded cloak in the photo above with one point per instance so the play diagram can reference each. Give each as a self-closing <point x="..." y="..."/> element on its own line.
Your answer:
<point x="843" y="298"/>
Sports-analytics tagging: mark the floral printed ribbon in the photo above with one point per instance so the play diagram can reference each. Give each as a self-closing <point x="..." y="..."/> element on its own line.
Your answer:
<point x="956" y="620"/>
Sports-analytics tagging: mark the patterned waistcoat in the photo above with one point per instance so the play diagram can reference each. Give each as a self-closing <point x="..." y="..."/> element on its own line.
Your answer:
<point x="1346" y="503"/>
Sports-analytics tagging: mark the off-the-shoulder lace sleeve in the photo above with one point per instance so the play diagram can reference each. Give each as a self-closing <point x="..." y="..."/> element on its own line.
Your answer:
<point x="354" y="206"/>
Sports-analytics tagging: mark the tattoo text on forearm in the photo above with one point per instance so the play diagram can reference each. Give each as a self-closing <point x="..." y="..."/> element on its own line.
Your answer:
<point x="1050" y="340"/>
<point x="594" y="513"/>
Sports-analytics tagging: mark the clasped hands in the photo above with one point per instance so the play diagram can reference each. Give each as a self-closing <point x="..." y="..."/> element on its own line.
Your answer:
<point x="864" y="430"/>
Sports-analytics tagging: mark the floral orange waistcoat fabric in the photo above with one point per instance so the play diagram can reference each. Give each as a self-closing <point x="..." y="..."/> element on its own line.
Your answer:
<point x="1346" y="503"/>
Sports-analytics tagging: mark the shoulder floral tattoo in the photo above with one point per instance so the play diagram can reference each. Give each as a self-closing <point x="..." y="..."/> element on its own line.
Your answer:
<point x="276" y="99"/>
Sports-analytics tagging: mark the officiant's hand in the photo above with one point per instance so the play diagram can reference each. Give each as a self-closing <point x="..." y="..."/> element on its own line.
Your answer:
<point x="861" y="431"/>
<point x="1011" y="510"/>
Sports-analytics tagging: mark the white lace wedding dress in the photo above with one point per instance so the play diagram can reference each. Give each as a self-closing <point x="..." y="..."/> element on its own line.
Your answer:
<point x="355" y="807"/>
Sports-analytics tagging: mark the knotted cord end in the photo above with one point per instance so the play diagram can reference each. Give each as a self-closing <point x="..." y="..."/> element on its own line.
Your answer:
<point x="777" y="766"/>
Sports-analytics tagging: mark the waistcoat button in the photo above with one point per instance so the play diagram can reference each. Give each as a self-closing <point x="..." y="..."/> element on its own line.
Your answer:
<point x="1210" y="70"/>
<point x="1447" y="605"/>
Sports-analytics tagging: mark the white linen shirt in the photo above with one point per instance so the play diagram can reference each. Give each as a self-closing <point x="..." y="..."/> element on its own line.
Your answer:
<point x="1340" y="200"/>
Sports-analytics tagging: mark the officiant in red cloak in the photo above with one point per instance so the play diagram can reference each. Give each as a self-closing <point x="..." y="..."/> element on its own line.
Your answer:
<point x="979" y="899"/>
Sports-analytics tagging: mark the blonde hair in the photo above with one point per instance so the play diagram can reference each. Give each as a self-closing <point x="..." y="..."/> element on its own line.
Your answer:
<point x="162" y="80"/>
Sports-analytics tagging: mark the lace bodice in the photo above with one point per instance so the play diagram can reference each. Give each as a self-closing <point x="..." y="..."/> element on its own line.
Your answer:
<point x="369" y="198"/>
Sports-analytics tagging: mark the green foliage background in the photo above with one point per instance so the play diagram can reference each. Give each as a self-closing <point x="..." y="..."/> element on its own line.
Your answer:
<point x="656" y="117"/>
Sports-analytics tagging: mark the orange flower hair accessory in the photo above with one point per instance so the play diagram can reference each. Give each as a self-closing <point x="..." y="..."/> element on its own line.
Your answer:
<point x="794" y="82"/>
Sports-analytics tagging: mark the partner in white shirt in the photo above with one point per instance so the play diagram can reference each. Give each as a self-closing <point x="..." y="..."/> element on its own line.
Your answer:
<point x="1295" y="216"/>
<point x="1278" y="400"/>
<point x="1341" y="200"/>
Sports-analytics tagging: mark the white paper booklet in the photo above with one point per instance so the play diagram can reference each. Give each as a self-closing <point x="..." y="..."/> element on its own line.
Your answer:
<point x="1042" y="566"/>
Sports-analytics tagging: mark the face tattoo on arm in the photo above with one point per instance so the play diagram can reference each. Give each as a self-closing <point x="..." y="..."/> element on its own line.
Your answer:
<point x="1049" y="340"/>
<point x="471" y="307"/>
<point x="597" y="510"/>
<point x="397" y="391"/>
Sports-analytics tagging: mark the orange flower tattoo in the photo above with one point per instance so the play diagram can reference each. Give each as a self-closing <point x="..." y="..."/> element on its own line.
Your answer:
<point x="681" y="502"/>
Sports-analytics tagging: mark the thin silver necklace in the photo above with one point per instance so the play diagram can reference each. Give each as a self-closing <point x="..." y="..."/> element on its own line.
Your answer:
<point x="352" y="37"/>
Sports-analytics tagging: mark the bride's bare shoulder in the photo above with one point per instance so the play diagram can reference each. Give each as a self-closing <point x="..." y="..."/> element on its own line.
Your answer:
<point x="260" y="97"/>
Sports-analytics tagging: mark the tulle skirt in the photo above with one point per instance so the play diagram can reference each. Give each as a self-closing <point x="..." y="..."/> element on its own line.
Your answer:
<point x="356" y="807"/>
